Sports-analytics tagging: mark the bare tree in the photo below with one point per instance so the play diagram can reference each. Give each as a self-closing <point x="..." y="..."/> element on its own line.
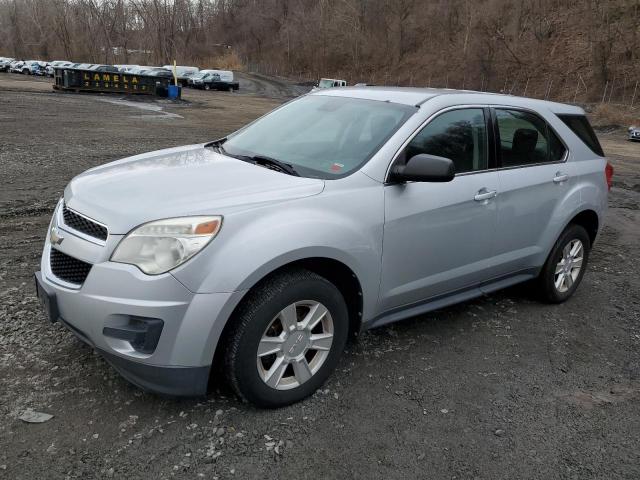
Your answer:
<point x="514" y="45"/>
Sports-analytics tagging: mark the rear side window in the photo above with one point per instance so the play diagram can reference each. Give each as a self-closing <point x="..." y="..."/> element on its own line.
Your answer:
<point x="582" y="128"/>
<point x="526" y="139"/>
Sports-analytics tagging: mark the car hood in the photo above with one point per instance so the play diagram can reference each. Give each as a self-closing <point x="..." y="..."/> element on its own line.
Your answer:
<point x="191" y="180"/>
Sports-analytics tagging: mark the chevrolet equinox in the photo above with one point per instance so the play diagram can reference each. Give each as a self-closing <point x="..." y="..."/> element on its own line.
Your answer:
<point x="340" y="211"/>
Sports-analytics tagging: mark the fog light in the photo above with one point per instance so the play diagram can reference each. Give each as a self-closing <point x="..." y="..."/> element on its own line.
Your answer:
<point x="142" y="333"/>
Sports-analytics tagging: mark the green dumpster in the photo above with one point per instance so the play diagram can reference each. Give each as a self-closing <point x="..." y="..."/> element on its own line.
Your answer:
<point x="75" y="80"/>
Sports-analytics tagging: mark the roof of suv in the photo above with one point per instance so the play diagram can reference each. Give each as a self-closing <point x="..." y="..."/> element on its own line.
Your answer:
<point x="418" y="96"/>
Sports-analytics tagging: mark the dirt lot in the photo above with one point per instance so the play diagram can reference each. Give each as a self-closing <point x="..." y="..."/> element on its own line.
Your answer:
<point x="499" y="388"/>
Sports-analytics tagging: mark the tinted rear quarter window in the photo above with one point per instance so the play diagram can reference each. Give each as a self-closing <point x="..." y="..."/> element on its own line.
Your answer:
<point x="582" y="128"/>
<point x="526" y="139"/>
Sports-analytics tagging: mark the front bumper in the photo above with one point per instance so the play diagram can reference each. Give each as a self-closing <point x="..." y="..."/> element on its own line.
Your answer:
<point x="174" y="381"/>
<point x="180" y="364"/>
<point x="114" y="296"/>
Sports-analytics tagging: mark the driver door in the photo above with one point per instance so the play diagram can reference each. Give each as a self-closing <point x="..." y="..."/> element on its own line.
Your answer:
<point x="438" y="237"/>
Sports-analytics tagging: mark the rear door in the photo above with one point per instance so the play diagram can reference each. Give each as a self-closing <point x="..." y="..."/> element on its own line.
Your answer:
<point x="534" y="176"/>
<point x="438" y="237"/>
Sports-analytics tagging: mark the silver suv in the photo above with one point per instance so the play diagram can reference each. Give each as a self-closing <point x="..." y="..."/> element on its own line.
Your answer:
<point x="340" y="211"/>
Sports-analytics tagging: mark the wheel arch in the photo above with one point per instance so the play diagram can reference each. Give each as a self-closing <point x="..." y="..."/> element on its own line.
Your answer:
<point x="336" y="271"/>
<point x="589" y="220"/>
<point x="587" y="217"/>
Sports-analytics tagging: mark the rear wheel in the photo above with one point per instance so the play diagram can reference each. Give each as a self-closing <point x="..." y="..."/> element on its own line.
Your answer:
<point x="287" y="338"/>
<point x="565" y="266"/>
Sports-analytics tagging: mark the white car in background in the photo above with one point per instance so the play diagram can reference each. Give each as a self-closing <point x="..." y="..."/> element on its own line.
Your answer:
<point x="183" y="73"/>
<point x="31" y="67"/>
<point x="126" y="68"/>
<point x="38" y="67"/>
<point x="143" y="70"/>
<point x="634" y="133"/>
<point x="181" y="70"/>
<point x="214" y="80"/>
<point x="26" y="67"/>
<point x="82" y="66"/>
<point x="16" y="66"/>
<point x="49" y="69"/>
<point x="330" y="83"/>
<point x="5" y="62"/>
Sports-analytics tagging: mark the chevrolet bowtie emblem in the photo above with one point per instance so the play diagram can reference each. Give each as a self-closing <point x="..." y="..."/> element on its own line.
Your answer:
<point x="54" y="238"/>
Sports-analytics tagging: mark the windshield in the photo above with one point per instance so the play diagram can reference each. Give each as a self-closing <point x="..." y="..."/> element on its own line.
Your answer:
<point x="321" y="136"/>
<point x="200" y="75"/>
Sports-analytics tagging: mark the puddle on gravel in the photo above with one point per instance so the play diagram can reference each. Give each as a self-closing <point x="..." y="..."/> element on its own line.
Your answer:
<point x="149" y="107"/>
<point x="589" y="400"/>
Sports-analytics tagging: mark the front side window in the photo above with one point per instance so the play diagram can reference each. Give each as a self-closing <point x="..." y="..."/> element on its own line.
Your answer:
<point x="459" y="135"/>
<point x="526" y="139"/>
<point x="321" y="136"/>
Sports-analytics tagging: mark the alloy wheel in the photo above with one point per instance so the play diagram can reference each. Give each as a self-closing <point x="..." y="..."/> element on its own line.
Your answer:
<point x="569" y="266"/>
<point x="295" y="345"/>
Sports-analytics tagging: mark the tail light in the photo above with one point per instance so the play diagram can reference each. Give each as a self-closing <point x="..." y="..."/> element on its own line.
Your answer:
<point x="608" y="174"/>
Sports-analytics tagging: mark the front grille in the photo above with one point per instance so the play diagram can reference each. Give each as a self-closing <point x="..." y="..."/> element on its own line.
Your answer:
<point x="68" y="268"/>
<point x="83" y="224"/>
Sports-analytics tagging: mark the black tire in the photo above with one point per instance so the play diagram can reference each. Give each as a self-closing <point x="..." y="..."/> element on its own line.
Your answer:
<point x="207" y="86"/>
<point x="255" y="315"/>
<point x="546" y="280"/>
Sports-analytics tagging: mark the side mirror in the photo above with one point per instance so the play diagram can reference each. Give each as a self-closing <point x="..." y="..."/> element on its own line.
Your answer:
<point x="424" y="168"/>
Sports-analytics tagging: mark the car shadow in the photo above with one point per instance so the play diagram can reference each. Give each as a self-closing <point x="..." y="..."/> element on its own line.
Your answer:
<point x="440" y="323"/>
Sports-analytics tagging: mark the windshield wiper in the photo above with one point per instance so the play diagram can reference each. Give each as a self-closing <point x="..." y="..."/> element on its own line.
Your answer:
<point x="272" y="162"/>
<point x="261" y="160"/>
<point x="217" y="145"/>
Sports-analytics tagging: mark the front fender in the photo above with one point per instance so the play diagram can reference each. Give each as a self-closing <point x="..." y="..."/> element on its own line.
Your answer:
<point x="345" y="225"/>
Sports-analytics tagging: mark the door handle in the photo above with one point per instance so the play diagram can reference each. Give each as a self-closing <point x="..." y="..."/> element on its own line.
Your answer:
<point x="560" y="177"/>
<point x="483" y="194"/>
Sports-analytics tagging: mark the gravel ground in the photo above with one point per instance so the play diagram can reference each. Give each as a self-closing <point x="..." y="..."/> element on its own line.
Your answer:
<point x="502" y="387"/>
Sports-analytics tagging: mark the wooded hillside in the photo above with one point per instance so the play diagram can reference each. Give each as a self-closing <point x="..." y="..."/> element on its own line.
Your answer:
<point x="583" y="50"/>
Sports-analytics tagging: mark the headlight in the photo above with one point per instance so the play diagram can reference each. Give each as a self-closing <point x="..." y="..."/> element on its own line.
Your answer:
<point x="159" y="246"/>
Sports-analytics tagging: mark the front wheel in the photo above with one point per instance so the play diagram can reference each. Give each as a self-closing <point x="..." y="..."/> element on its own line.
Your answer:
<point x="207" y="86"/>
<point x="286" y="339"/>
<point x="565" y="266"/>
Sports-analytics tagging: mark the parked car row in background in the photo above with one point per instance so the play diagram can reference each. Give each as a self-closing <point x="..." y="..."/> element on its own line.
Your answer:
<point x="27" y="67"/>
<point x="211" y="79"/>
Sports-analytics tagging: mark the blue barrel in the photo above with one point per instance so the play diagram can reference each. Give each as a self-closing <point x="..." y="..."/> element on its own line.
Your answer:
<point x="174" y="92"/>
